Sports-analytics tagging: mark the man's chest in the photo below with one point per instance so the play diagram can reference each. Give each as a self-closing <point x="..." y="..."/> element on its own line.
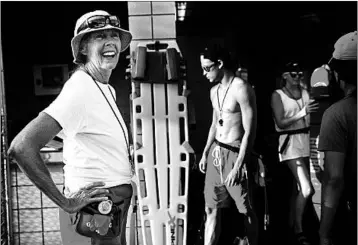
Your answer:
<point x="226" y="103"/>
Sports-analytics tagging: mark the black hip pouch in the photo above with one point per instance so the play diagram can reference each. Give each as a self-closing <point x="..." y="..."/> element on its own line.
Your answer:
<point x="101" y="219"/>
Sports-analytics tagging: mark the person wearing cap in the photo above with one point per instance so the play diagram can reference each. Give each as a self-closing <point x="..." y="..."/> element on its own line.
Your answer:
<point x="96" y="147"/>
<point x="226" y="155"/>
<point x="291" y="108"/>
<point x="338" y="142"/>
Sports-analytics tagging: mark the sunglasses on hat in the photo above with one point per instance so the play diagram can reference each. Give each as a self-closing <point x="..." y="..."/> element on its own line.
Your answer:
<point x="99" y="21"/>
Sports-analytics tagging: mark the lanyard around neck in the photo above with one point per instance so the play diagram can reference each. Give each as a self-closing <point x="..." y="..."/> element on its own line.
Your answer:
<point x="114" y="113"/>
<point x="299" y="107"/>
<point x="217" y="95"/>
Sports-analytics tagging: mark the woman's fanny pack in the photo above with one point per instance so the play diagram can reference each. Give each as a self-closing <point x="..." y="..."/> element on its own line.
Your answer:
<point x="101" y="219"/>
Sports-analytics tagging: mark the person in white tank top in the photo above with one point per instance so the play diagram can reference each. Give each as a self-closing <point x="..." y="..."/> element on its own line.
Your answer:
<point x="291" y="108"/>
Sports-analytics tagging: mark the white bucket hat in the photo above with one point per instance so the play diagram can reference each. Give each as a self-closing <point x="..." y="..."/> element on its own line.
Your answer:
<point x="125" y="36"/>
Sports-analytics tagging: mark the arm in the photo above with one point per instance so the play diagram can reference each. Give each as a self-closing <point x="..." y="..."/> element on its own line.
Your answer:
<point x="333" y="142"/>
<point x="212" y="130"/>
<point x="247" y="101"/>
<point x="278" y="112"/>
<point x="211" y="135"/>
<point x="25" y="149"/>
<point x="332" y="187"/>
<point x="210" y="140"/>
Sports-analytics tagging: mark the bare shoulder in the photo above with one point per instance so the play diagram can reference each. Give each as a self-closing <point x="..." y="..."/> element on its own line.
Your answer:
<point x="238" y="82"/>
<point x="242" y="89"/>
<point x="276" y="99"/>
<point x="275" y="95"/>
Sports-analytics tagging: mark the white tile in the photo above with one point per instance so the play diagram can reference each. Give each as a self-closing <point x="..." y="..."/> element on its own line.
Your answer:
<point x="140" y="27"/>
<point x="30" y="221"/>
<point x="164" y="26"/>
<point x="22" y="179"/>
<point x="51" y="219"/>
<point x="163" y="7"/>
<point x="16" y="239"/>
<point x="31" y="238"/>
<point x="14" y="201"/>
<point x="52" y="238"/>
<point x="29" y="197"/>
<point x="139" y="8"/>
<point x="15" y="221"/>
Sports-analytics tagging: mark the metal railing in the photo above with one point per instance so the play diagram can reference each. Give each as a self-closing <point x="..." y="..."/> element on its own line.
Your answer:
<point x="6" y="229"/>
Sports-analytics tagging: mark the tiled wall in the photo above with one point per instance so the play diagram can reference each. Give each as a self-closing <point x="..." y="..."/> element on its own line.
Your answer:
<point x="152" y="21"/>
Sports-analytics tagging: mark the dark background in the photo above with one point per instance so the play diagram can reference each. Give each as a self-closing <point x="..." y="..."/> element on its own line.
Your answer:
<point x="262" y="36"/>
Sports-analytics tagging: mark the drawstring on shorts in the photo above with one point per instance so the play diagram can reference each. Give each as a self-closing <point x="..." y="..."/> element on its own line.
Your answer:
<point x="216" y="154"/>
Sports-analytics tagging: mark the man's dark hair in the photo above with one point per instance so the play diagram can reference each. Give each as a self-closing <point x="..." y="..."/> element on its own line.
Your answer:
<point x="346" y="69"/>
<point x="215" y="52"/>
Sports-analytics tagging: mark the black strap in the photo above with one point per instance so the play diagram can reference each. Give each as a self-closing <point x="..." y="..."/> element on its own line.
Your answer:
<point x="226" y="146"/>
<point x="235" y="149"/>
<point x="125" y="138"/>
<point x="294" y="131"/>
<point x="289" y="133"/>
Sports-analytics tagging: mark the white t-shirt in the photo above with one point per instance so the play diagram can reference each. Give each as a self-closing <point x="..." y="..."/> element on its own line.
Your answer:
<point x="299" y="144"/>
<point x="94" y="144"/>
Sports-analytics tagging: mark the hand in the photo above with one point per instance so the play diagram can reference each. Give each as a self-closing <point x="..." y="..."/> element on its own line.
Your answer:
<point x="85" y="196"/>
<point x="232" y="176"/>
<point x="202" y="164"/>
<point x="312" y="106"/>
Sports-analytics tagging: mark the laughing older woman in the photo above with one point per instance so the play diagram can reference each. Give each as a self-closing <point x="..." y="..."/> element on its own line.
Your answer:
<point x="96" y="155"/>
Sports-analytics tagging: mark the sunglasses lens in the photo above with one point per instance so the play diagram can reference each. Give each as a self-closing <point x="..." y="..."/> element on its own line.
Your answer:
<point x="295" y="74"/>
<point x="96" y="21"/>
<point x="114" y="21"/>
<point x="208" y="68"/>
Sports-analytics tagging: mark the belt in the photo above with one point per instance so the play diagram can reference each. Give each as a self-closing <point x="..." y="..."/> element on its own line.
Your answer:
<point x="226" y="146"/>
<point x="289" y="133"/>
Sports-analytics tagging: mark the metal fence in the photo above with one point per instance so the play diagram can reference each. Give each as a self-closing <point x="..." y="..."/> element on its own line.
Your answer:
<point x="5" y="207"/>
<point x="35" y="216"/>
<point x="5" y="183"/>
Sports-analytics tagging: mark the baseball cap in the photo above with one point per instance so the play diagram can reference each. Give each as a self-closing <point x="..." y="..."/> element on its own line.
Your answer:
<point x="291" y="66"/>
<point x="346" y="47"/>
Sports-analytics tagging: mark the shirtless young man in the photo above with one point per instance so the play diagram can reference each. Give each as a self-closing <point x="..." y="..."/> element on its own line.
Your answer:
<point x="226" y="154"/>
